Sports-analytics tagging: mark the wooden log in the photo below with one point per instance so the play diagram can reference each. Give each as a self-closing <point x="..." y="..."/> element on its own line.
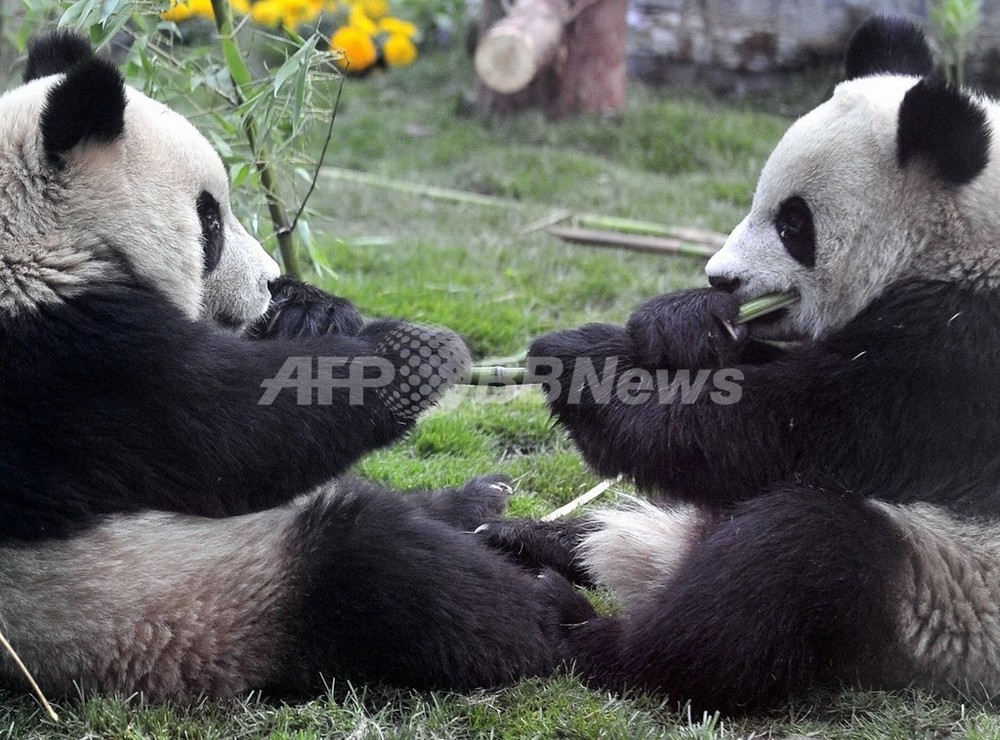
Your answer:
<point x="584" y="72"/>
<point x="518" y="46"/>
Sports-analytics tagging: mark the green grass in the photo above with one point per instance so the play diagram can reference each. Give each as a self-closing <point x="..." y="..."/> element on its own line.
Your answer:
<point x="676" y="160"/>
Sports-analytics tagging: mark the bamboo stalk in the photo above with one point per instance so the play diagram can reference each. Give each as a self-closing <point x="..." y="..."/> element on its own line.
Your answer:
<point x="581" y="500"/>
<point x="499" y="375"/>
<point x="764" y="305"/>
<point x="634" y="242"/>
<point x="635" y="226"/>
<point x="31" y="679"/>
<point x="240" y="73"/>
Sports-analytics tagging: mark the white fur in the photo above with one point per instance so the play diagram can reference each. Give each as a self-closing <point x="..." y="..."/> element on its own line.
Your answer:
<point x="949" y="610"/>
<point x="875" y="223"/>
<point x="639" y="547"/>
<point x="163" y="604"/>
<point x="136" y="195"/>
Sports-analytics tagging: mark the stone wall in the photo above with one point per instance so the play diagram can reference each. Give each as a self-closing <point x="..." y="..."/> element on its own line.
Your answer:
<point x="754" y="43"/>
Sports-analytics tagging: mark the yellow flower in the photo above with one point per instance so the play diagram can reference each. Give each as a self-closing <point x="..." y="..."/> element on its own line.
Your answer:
<point x="362" y="22"/>
<point x="374" y="9"/>
<point x="177" y="12"/>
<point x="240" y="6"/>
<point x="399" y="50"/>
<point x="268" y="12"/>
<point x="358" y="47"/>
<point x="181" y="11"/>
<point x="392" y="25"/>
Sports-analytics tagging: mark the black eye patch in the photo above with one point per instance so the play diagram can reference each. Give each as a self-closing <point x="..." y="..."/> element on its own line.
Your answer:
<point x="212" y="237"/>
<point x="794" y="224"/>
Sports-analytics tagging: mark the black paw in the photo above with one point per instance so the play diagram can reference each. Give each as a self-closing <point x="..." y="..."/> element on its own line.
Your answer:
<point x="539" y="545"/>
<point x="301" y="310"/>
<point x="415" y="365"/>
<point x="482" y="499"/>
<point x="690" y="329"/>
<point x="566" y="608"/>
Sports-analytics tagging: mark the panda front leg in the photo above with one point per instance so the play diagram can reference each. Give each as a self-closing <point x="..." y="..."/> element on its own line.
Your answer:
<point x="797" y="589"/>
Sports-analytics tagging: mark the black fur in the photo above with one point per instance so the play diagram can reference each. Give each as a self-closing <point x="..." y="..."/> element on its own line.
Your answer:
<point x="88" y="105"/>
<point x="392" y="594"/>
<point x="789" y="588"/>
<point x="945" y="127"/>
<point x="884" y="45"/>
<point x="57" y="52"/>
<point x="213" y="238"/>
<point x="794" y="590"/>
<point x="862" y="407"/>
<point x="124" y="405"/>
<point x="301" y="310"/>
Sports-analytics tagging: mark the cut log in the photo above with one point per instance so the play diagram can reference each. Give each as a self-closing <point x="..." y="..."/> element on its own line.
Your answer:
<point x="575" y="66"/>
<point x="518" y="46"/>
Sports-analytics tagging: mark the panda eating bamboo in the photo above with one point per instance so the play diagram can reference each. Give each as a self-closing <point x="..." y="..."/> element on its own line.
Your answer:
<point x="840" y="522"/>
<point x="168" y="526"/>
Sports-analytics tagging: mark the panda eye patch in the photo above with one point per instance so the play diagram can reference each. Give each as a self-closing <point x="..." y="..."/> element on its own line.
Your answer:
<point x="212" y="239"/>
<point x="794" y="224"/>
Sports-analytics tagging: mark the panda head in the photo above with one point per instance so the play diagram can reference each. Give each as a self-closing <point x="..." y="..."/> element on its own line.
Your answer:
<point x="97" y="179"/>
<point x="889" y="180"/>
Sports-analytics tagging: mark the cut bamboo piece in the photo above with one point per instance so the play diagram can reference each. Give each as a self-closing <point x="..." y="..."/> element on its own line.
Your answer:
<point x="634" y="242"/>
<point x="581" y="500"/>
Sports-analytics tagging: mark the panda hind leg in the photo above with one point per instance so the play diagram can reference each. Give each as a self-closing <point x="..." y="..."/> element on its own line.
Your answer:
<point x="391" y="594"/>
<point x="795" y="590"/>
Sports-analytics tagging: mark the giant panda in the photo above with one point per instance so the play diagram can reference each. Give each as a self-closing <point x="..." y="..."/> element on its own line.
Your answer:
<point x="171" y="525"/>
<point x="832" y="516"/>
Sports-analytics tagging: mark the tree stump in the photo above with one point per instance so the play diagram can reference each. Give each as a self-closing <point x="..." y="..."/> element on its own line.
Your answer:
<point x="562" y="56"/>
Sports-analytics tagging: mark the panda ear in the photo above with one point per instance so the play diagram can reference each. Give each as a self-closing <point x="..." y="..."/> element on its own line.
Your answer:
<point x="54" y="53"/>
<point x="86" y="105"/>
<point x="885" y="45"/>
<point x="946" y="128"/>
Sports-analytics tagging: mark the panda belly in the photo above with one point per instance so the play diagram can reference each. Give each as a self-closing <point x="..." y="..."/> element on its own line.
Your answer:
<point x="949" y="616"/>
<point x="162" y="604"/>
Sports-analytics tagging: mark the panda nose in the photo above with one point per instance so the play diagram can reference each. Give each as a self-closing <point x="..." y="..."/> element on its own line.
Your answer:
<point x="720" y="282"/>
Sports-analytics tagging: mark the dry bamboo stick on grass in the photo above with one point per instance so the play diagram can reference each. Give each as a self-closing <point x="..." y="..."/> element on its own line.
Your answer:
<point x="581" y="500"/>
<point x="634" y="242"/>
<point x="31" y="679"/>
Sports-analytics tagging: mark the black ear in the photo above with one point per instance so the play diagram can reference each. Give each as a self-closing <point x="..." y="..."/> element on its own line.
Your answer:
<point x="884" y="45"/>
<point x="54" y="53"/>
<point x="947" y="128"/>
<point x="87" y="105"/>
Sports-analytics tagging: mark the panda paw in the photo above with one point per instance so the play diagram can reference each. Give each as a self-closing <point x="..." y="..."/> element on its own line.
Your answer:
<point x="482" y="499"/>
<point x="418" y="365"/>
<point x="301" y="310"/>
<point x="689" y="329"/>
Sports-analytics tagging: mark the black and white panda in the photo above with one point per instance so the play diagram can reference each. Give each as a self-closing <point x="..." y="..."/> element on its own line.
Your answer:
<point x="164" y="527"/>
<point x="835" y="518"/>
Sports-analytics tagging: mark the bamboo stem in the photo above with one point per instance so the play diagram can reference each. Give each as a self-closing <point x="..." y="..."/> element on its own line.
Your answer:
<point x="498" y="375"/>
<point x="764" y="305"/>
<point x="634" y="242"/>
<point x="238" y="70"/>
<point x="31" y="679"/>
<point x="581" y="500"/>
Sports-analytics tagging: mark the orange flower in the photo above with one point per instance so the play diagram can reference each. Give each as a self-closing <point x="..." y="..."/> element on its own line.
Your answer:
<point x="358" y="48"/>
<point x="399" y="50"/>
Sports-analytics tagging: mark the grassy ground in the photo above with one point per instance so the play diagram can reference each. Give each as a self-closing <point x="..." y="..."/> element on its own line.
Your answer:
<point x="670" y="159"/>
